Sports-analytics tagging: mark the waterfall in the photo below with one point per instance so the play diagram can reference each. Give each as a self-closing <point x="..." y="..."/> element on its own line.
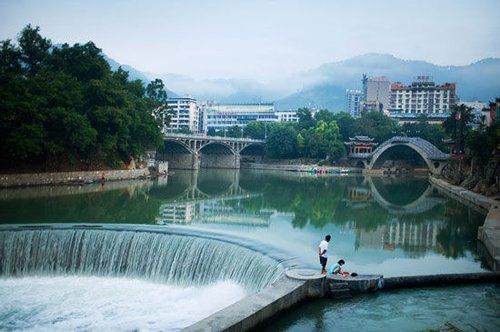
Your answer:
<point x="167" y="258"/>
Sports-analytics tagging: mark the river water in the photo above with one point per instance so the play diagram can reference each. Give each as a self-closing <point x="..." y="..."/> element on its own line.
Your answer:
<point x="390" y="226"/>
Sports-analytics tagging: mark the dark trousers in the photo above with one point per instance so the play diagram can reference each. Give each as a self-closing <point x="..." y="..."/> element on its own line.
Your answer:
<point x="323" y="260"/>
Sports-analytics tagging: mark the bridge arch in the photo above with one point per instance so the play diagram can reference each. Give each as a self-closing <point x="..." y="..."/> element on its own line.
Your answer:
<point x="434" y="158"/>
<point x="218" y="155"/>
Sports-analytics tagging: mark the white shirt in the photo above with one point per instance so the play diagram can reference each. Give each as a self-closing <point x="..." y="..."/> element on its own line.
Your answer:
<point x="323" y="246"/>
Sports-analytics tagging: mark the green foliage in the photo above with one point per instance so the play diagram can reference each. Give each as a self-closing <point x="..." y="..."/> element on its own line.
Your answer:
<point x="431" y="132"/>
<point x="346" y="125"/>
<point x="234" y="131"/>
<point x="255" y="129"/>
<point x="64" y="104"/>
<point x="482" y="142"/>
<point x="282" y="141"/>
<point x="324" y="115"/>
<point x="457" y="125"/>
<point x="376" y="125"/>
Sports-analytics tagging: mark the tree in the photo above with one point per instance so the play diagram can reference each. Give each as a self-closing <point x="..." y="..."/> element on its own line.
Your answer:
<point x="324" y="115"/>
<point x="234" y="131"/>
<point x="432" y="133"/>
<point x="211" y="132"/>
<point x="306" y="119"/>
<point x="346" y="125"/>
<point x="255" y="129"/>
<point x="156" y="93"/>
<point x="376" y="125"/>
<point x="64" y="106"/>
<point x="457" y="125"/>
<point x="282" y="141"/>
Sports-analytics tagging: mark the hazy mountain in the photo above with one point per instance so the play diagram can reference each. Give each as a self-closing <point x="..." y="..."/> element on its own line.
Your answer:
<point x="324" y="87"/>
<point x="135" y="74"/>
<point x="220" y="90"/>
<point x="479" y="80"/>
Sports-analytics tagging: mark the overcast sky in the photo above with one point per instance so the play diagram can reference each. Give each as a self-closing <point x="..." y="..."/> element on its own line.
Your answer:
<point x="263" y="39"/>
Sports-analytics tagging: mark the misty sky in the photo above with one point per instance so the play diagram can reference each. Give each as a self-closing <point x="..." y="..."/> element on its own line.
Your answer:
<point x="263" y="39"/>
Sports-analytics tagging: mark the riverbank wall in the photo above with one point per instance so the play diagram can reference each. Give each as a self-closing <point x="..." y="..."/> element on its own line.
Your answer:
<point x="61" y="178"/>
<point x="489" y="233"/>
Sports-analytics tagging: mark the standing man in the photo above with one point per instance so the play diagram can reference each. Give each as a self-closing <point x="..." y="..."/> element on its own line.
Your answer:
<point x="323" y="253"/>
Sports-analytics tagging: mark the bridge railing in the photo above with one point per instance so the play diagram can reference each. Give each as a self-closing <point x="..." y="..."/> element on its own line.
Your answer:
<point x="215" y="138"/>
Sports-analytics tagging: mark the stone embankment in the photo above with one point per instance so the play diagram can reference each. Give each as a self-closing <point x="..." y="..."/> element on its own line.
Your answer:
<point x="489" y="233"/>
<point x="59" y="178"/>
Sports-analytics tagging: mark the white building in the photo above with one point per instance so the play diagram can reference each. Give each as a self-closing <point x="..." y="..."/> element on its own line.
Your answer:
<point x="287" y="116"/>
<point x="352" y="100"/>
<point x="422" y="97"/>
<point x="184" y="112"/>
<point x="223" y="116"/>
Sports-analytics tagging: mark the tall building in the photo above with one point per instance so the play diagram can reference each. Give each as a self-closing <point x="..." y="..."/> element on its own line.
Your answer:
<point x="376" y="91"/>
<point x="184" y="113"/>
<point x="352" y="100"/>
<point x="223" y="116"/>
<point x="422" y="97"/>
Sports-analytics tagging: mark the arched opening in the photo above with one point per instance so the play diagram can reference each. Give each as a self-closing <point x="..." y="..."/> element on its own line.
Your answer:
<point x="400" y="192"/>
<point x="178" y="155"/>
<point x="253" y="153"/>
<point x="400" y="159"/>
<point x="218" y="155"/>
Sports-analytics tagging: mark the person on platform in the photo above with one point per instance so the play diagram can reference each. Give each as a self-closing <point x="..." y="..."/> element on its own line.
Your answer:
<point x="323" y="253"/>
<point x="336" y="268"/>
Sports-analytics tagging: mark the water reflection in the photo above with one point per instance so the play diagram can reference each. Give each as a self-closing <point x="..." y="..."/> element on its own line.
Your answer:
<point x="367" y="213"/>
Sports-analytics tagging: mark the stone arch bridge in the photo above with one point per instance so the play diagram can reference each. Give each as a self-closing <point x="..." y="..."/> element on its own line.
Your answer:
<point x="194" y="151"/>
<point x="434" y="158"/>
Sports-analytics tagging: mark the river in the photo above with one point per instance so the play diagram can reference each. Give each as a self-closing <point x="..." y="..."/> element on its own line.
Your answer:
<point x="389" y="226"/>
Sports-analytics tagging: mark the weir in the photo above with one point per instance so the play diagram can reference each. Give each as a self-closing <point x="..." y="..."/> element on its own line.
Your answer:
<point x="158" y="257"/>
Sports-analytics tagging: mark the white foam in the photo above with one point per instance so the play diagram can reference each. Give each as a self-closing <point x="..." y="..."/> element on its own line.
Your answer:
<point x="95" y="303"/>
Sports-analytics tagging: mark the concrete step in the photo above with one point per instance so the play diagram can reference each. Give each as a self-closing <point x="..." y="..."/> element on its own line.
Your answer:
<point x="337" y="285"/>
<point x="340" y="293"/>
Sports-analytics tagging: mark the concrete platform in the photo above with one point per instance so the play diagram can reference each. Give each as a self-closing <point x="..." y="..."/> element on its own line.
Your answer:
<point x="358" y="284"/>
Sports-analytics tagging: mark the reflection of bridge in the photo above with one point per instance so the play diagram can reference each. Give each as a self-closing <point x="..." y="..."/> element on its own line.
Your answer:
<point x="212" y="196"/>
<point x="423" y="203"/>
<point x="434" y="158"/>
<point x="195" y="151"/>
<point x="360" y="197"/>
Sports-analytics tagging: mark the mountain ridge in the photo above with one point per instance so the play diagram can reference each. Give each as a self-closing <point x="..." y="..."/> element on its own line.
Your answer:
<point x="325" y="85"/>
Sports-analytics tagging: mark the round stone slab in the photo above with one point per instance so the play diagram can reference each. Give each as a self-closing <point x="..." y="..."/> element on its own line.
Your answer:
<point x="304" y="274"/>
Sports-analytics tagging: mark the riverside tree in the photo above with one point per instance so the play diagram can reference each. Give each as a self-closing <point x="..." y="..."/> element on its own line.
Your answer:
<point x="63" y="107"/>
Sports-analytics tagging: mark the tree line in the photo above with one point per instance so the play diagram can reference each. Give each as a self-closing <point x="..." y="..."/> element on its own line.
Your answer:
<point x="62" y="106"/>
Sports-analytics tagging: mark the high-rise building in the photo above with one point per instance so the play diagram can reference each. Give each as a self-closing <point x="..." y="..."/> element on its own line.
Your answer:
<point x="184" y="112"/>
<point x="352" y="100"/>
<point x="377" y="90"/>
<point x="223" y="116"/>
<point x="422" y="97"/>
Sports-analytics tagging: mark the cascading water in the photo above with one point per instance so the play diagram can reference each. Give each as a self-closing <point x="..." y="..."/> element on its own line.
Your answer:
<point x="166" y="258"/>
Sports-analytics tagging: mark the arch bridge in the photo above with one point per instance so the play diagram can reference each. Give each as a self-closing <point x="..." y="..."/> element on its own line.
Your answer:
<point x="194" y="151"/>
<point x="434" y="158"/>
